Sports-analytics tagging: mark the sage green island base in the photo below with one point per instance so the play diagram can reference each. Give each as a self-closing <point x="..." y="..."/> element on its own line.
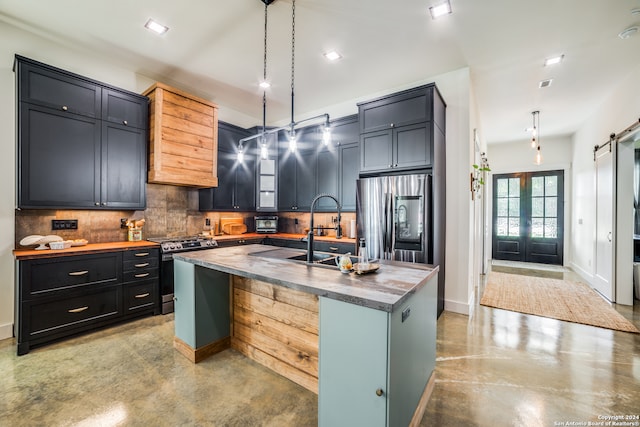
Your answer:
<point x="376" y="333"/>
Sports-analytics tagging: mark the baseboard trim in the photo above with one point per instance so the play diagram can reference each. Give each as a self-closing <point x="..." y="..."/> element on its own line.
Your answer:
<point x="199" y="354"/>
<point x="6" y="331"/>
<point x="456" y="307"/>
<point x="582" y="273"/>
<point x="422" y="403"/>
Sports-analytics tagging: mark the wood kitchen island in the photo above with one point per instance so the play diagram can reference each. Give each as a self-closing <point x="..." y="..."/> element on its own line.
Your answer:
<point x="364" y="343"/>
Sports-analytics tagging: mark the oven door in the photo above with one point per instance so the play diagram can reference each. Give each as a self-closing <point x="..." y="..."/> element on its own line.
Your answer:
<point x="166" y="283"/>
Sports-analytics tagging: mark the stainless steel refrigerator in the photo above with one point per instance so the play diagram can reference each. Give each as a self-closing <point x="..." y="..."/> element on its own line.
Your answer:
<point x="394" y="215"/>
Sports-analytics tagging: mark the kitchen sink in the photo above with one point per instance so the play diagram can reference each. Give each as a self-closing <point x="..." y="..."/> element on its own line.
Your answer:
<point x="321" y="259"/>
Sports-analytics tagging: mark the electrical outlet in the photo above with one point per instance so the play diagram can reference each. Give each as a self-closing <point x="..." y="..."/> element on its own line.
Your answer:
<point x="123" y="223"/>
<point x="295" y="221"/>
<point x="64" y="224"/>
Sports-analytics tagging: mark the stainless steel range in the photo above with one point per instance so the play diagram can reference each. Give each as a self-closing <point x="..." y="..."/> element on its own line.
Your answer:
<point x="168" y="247"/>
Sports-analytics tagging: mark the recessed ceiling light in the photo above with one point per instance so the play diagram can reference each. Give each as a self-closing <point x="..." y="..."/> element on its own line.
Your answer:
<point x="628" y="32"/>
<point x="440" y="10"/>
<point x="265" y="84"/>
<point x="156" y="27"/>
<point x="553" y="60"/>
<point x="332" y="55"/>
<point x="545" y="83"/>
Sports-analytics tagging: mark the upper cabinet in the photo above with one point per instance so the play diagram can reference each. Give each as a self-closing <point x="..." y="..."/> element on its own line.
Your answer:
<point x="396" y="131"/>
<point x="81" y="143"/>
<point x="184" y="138"/>
<point x="315" y="168"/>
<point x="236" y="190"/>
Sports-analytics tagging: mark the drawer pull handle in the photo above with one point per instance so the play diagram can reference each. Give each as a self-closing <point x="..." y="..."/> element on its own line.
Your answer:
<point x="141" y="275"/>
<point x="79" y="273"/>
<point x="124" y="122"/>
<point x="142" y="265"/>
<point x="142" y="254"/>
<point x="65" y="108"/>
<point x="333" y="248"/>
<point x="79" y="309"/>
<point x="146" y="294"/>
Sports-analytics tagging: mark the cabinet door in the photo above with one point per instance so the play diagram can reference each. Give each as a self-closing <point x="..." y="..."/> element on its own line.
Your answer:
<point x="223" y="193"/>
<point x="245" y="188"/>
<point x="327" y="178"/>
<point x="376" y="151"/>
<point x="400" y="109"/>
<point x="38" y="84"/>
<point x="305" y="179"/>
<point x="125" y="109"/>
<point x="352" y="365"/>
<point x="123" y="167"/>
<point x="287" y="181"/>
<point x="59" y="159"/>
<point x="349" y="170"/>
<point x="412" y="146"/>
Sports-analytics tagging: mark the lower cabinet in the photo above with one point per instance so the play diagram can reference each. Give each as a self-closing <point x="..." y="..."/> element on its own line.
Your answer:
<point x="65" y="295"/>
<point x="391" y="358"/>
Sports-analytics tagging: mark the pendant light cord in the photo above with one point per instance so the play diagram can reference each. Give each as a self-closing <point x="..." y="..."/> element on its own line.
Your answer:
<point x="264" y="73"/>
<point x="293" y="55"/>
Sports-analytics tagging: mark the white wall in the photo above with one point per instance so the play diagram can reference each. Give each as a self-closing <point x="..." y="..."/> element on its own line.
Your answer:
<point x="454" y="86"/>
<point x="557" y="154"/>
<point x="612" y="115"/>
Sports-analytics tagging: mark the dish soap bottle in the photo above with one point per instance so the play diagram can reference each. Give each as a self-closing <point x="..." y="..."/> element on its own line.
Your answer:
<point x="363" y="259"/>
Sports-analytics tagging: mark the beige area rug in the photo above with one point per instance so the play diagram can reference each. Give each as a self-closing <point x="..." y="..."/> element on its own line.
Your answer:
<point x="557" y="299"/>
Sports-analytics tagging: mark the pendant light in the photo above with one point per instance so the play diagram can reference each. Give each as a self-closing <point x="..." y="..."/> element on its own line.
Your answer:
<point x="535" y="137"/>
<point x="291" y="127"/>
<point x="534" y="129"/>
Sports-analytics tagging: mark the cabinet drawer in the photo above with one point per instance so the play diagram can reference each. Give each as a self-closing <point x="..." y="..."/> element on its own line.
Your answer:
<point x="142" y="255"/>
<point x="140" y="296"/>
<point x="140" y="274"/>
<point x="50" y="317"/>
<point x="51" y="274"/>
<point x="143" y="263"/>
<point x="40" y="85"/>
<point x="340" y="248"/>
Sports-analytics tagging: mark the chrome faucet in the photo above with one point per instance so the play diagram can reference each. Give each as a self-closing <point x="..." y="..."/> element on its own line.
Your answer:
<point x="311" y="228"/>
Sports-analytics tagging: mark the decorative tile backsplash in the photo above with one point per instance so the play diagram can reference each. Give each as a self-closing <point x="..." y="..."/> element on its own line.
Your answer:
<point x="171" y="211"/>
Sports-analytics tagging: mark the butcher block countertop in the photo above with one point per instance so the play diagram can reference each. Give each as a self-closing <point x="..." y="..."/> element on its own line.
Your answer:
<point x="25" y="254"/>
<point x="385" y="289"/>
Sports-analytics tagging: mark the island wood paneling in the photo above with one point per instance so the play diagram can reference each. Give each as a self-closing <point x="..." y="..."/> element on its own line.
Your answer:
<point x="278" y="328"/>
<point x="183" y="136"/>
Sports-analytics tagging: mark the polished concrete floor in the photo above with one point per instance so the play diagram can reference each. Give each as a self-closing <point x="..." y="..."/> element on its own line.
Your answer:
<point x="494" y="368"/>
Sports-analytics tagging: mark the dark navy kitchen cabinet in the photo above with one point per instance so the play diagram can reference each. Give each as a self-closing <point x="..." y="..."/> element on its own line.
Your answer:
<point x="296" y="179"/>
<point x="62" y="295"/>
<point x="405" y="132"/>
<point x="346" y="136"/>
<point x="315" y="168"/>
<point x="236" y="190"/>
<point x="81" y="143"/>
<point x="396" y="131"/>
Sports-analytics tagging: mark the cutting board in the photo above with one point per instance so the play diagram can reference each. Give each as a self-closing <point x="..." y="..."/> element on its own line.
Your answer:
<point x="233" y="225"/>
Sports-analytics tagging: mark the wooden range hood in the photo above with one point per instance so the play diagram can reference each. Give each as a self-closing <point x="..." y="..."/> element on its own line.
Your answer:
<point x="183" y="136"/>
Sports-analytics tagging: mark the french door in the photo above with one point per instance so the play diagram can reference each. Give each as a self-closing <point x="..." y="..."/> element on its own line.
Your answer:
<point x="528" y="217"/>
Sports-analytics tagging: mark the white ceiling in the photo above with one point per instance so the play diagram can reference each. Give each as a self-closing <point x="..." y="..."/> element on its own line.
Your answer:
<point x="216" y="46"/>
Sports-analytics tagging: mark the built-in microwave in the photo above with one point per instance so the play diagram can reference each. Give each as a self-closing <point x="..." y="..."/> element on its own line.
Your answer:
<point x="266" y="224"/>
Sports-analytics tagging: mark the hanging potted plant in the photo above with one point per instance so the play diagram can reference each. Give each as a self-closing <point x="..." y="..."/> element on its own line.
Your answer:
<point x="478" y="177"/>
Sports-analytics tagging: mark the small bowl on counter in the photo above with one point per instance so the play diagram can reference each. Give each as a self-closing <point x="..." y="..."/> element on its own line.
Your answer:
<point x="65" y="244"/>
